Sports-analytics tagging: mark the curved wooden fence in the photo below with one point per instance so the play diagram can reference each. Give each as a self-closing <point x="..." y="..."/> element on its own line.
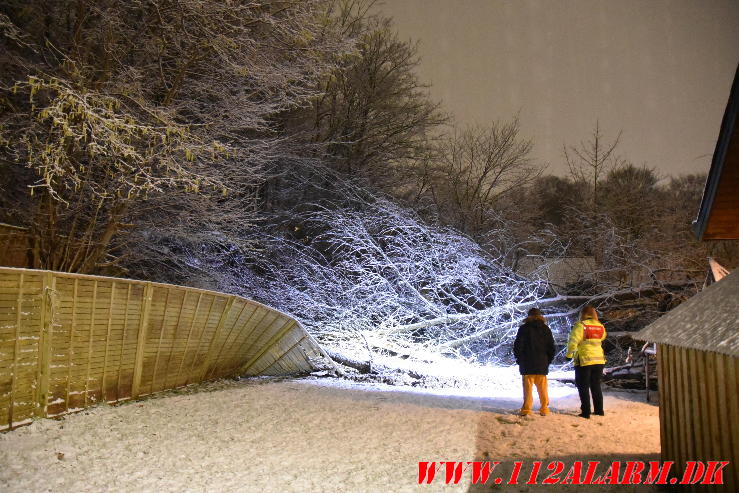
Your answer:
<point x="68" y="341"/>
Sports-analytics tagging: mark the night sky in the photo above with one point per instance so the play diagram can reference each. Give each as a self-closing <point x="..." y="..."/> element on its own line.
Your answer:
<point x="659" y="70"/>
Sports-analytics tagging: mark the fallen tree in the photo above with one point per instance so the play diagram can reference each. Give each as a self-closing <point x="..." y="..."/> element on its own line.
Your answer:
<point x="369" y="277"/>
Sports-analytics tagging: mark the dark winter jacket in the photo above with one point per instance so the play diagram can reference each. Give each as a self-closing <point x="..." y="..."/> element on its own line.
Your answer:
<point x="534" y="347"/>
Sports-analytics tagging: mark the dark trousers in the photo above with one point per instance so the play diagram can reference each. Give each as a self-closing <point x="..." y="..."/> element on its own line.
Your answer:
<point x="587" y="379"/>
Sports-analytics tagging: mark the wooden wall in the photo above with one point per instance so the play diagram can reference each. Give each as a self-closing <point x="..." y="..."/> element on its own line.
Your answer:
<point x="723" y="217"/>
<point x="699" y="409"/>
<point x="68" y="341"/>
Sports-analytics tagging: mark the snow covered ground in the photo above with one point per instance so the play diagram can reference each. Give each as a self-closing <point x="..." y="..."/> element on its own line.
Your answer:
<point x="313" y="435"/>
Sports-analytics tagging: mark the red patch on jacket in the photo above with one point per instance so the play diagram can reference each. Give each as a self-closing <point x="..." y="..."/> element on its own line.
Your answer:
<point x="593" y="332"/>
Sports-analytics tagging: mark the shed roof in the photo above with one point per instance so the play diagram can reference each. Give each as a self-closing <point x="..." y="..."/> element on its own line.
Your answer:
<point x="708" y="321"/>
<point x="718" y="216"/>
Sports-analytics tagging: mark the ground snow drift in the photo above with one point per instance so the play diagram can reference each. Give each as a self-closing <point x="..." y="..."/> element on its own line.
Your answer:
<point x="310" y="435"/>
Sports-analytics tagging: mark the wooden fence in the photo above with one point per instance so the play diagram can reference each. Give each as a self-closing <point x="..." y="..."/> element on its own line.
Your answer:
<point x="68" y="341"/>
<point x="699" y="410"/>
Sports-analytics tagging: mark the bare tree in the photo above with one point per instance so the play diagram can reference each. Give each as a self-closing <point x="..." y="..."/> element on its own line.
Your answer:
<point x="475" y="168"/>
<point x="359" y="270"/>
<point x="591" y="160"/>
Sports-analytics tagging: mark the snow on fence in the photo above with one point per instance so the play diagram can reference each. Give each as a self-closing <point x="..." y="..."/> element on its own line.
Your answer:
<point x="68" y="341"/>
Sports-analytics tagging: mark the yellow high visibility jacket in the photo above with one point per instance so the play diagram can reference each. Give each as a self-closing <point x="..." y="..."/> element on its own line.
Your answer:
<point x="584" y="344"/>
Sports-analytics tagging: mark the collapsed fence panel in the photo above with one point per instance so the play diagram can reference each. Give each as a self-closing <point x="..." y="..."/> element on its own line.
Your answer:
<point x="68" y="341"/>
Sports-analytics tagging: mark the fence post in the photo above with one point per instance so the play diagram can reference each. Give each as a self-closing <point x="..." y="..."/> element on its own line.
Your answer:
<point x="44" y="343"/>
<point x="141" y="341"/>
<point x="16" y="349"/>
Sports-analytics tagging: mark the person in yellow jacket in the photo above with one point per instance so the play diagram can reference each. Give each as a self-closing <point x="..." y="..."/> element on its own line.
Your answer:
<point x="585" y="349"/>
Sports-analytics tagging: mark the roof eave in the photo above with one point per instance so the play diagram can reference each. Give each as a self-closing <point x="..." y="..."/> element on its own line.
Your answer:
<point x="719" y="157"/>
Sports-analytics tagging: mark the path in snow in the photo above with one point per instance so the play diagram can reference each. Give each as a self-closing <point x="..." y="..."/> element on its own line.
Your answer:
<point x="309" y="435"/>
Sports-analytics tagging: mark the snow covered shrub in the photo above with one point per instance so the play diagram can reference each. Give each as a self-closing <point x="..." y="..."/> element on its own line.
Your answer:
<point x="373" y="273"/>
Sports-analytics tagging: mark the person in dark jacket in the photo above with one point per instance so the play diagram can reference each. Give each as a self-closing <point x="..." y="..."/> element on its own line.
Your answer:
<point x="534" y="351"/>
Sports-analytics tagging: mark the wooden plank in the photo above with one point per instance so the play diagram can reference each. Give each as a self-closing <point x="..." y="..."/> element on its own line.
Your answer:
<point x="174" y="338"/>
<point x="248" y="328"/>
<point x="294" y="360"/>
<point x="141" y="340"/>
<point x="711" y="424"/>
<point x="16" y="350"/>
<point x="674" y="421"/>
<point x="663" y="397"/>
<point x="44" y="364"/>
<point x="283" y="354"/>
<point x="90" y="335"/>
<point x="684" y="417"/>
<point x="306" y="363"/>
<point x="721" y="421"/>
<point x="216" y="333"/>
<point x="692" y="424"/>
<point x="225" y="340"/>
<point x="252" y="339"/>
<point x="689" y="427"/>
<point x="679" y="406"/>
<point x="705" y="410"/>
<point x="274" y="340"/>
<point x="698" y="416"/>
<point x="731" y="366"/>
<point x="107" y="342"/>
<point x="712" y="428"/>
<point x="190" y="373"/>
<point x="189" y="337"/>
<point x="722" y="410"/>
<point x="123" y="343"/>
<point x="161" y="338"/>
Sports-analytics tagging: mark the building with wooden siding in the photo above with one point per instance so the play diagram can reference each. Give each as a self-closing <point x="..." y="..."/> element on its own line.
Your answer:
<point x="698" y="370"/>
<point x="698" y="342"/>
